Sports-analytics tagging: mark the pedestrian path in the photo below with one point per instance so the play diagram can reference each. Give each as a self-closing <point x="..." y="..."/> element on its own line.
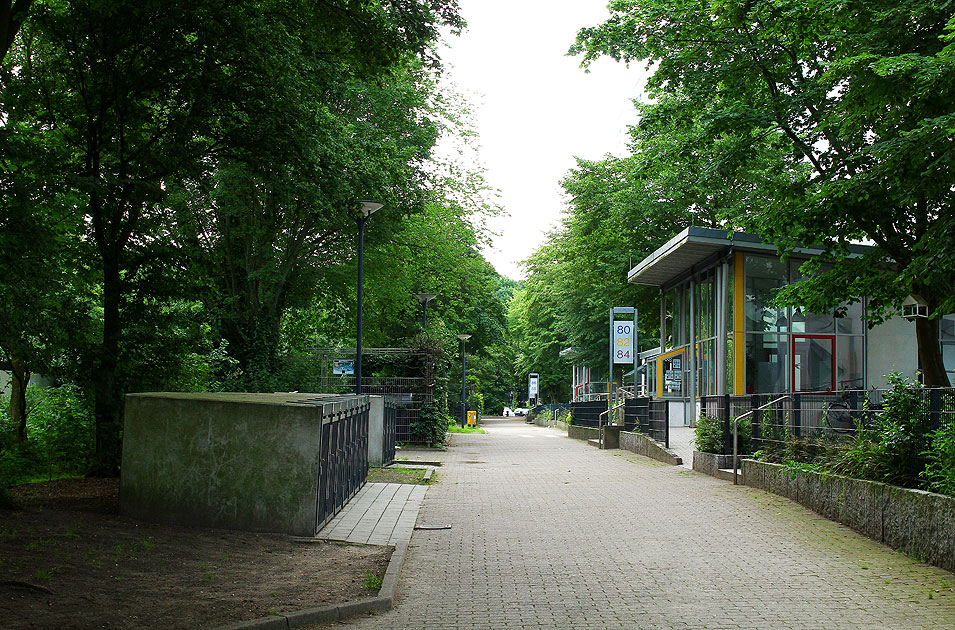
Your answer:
<point x="379" y="514"/>
<point x="548" y="532"/>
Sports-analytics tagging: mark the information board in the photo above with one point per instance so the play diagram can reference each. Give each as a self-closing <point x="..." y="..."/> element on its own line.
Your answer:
<point x="623" y="342"/>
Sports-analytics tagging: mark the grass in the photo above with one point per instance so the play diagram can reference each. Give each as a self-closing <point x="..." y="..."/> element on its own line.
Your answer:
<point x="397" y="474"/>
<point x="456" y="429"/>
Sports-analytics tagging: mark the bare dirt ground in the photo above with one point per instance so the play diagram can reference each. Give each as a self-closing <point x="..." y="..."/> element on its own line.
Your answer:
<point x="68" y="560"/>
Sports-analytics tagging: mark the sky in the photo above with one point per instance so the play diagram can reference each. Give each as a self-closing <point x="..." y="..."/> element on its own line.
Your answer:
<point x="536" y="109"/>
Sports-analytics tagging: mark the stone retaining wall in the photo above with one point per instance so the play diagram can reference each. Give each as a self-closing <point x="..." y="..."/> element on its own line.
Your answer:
<point x="916" y="522"/>
<point x="642" y="445"/>
<point x="544" y="421"/>
<point x="582" y="433"/>
<point x="710" y="463"/>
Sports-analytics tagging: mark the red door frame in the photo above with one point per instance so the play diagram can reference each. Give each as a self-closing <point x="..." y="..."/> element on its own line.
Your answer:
<point x="792" y="361"/>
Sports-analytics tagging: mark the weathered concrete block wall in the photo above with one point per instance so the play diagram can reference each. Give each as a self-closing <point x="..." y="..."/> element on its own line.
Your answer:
<point x="582" y="433"/>
<point x="919" y="523"/>
<point x="642" y="445"/>
<point x="544" y="421"/>
<point x="239" y="461"/>
<point x="710" y="463"/>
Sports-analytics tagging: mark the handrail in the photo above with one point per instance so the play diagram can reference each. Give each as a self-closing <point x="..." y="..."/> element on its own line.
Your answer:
<point x="600" y="432"/>
<point x="736" y="433"/>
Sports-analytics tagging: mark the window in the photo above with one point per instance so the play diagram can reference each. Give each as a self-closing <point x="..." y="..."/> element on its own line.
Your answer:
<point x="764" y="277"/>
<point x="766" y="363"/>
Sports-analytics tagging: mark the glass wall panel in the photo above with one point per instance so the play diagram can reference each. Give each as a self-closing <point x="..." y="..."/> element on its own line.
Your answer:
<point x="706" y="368"/>
<point x="946" y="328"/>
<point x="706" y="307"/>
<point x="673" y="368"/>
<point x="764" y="277"/>
<point x="730" y="292"/>
<point x="766" y="363"/>
<point x="850" y="366"/>
<point x="730" y="367"/>
<point x="809" y="323"/>
<point x="852" y="323"/>
<point x="948" y="357"/>
<point x="670" y="305"/>
<point x="813" y="363"/>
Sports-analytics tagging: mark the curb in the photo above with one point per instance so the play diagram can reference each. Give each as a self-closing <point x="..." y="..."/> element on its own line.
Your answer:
<point x="384" y="601"/>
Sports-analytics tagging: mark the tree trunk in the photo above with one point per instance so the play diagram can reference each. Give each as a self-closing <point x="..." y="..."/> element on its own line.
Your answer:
<point x="107" y="397"/>
<point x="18" y="395"/>
<point x="930" y="353"/>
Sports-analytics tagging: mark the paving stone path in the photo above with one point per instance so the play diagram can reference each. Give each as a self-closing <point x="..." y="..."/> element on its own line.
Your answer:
<point x="551" y="533"/>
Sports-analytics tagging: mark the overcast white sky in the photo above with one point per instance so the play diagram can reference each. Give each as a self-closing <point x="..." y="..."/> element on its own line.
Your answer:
<point x="536" y="108"/>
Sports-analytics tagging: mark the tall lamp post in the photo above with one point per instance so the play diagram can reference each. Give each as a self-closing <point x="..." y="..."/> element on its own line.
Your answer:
<point x="424" y="298"/>
<point x="367" y="208"/>
<point x="464" y="381"/>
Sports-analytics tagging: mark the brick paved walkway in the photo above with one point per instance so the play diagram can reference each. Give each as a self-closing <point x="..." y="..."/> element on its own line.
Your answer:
<point x="552" y="533"/>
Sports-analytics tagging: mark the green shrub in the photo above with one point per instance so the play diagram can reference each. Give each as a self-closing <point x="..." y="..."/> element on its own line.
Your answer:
<point x="895" y="448"/>
<point x="430" y="427"/>
<point x="60" y="437"/>
<point x="709" y="436"/>
<point x="940" y="471"/>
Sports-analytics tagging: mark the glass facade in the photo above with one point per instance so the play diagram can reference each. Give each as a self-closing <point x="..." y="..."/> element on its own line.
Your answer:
<point x="784" y="349"/>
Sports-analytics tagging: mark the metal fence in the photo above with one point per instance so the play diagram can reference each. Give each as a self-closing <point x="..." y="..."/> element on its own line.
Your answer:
<point x="587" y="414"/>
<point x="410" y="385"/>
<point x="343" y="466"/>
<point x="648" y="416"/>
<point x="389" y="433"/>
<point x="815" y="415"/>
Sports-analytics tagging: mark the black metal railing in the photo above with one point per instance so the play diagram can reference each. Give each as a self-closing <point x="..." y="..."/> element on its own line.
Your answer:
<point x="343" y="467"/>
<point x="817" y="415"/>
<point x="587" y="414"/>
<point x="389" y="432"/>
<point x="649" y="417"/>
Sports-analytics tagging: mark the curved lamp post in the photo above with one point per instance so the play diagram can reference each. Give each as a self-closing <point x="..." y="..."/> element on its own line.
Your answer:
<point x="367" y="209"/>
<point x="424" y="298"/>
<point x="464" y="381"/>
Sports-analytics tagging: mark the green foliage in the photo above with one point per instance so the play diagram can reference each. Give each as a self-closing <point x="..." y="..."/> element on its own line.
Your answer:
<point x="59" y="438"/>
<point x="430" y="427"/>
<point x="940" y="470"/>
<point x="894" y="449"/>
<point x="708" y="436"/>
<point x="372" y="582"/>
<point x="826" y="117"/>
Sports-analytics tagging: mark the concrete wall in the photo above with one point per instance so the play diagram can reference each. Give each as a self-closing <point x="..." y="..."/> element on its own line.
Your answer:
<point x="376" y="429"/>
<point x="544" y="420"/>
<point x="642" y="445"/>
<point x="582" y="433"/>
<point x="891" y="347"/>
<point x="919" y="523"/>
<point x="239" y="461"/>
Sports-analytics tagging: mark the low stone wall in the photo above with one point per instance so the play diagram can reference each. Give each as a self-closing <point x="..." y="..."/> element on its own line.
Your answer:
<point x="918" y="523"/>
<point x="711" y="463"/>
<point x="642" y="445"/>
<point x="582" y="433"/>
<point x="544" y="421"/>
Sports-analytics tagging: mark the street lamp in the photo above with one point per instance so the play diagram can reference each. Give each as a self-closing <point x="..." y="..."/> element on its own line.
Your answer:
<point x="424" y="298"/>
<point x="464" y="381"/>
<point x="367" y="209"/>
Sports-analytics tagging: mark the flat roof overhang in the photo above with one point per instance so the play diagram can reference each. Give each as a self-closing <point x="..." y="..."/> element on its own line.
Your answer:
<point x="697" y="247"/>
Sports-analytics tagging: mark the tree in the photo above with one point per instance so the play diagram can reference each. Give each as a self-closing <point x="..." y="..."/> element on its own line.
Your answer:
<point x="861" y="94"/>
<point x="12" y="15"/>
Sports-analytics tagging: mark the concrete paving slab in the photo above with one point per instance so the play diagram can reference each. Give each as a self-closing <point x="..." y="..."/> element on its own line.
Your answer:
<point x="550" y="533"/>
<point x="379" y="514"/>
